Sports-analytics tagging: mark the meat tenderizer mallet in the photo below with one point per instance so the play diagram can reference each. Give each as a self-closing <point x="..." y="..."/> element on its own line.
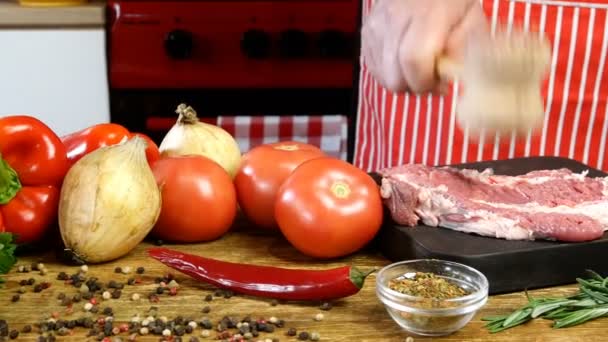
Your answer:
<point x="501" y="78"/>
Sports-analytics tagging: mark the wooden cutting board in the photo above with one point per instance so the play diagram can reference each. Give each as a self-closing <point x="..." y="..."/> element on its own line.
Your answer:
<point x="508" y="265"/>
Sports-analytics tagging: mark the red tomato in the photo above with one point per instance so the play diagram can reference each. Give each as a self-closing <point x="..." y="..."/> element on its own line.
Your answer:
<point x="262" y="171"/>
<point x="328" y="208"/>
<point x="198" y="199"/>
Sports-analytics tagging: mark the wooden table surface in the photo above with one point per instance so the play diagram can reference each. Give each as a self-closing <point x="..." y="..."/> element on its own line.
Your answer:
<point x="358" y="318"/>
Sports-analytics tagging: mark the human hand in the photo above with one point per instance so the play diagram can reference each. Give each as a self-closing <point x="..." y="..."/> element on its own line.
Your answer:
<point x="401" y="40"/>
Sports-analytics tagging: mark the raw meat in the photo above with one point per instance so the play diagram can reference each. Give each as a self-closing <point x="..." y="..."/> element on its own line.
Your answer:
<point x="549" y="204"/>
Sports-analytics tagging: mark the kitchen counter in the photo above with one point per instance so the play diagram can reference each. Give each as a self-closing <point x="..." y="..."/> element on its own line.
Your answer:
<point x="358" y="318"/>
<point x="91" y="14"/>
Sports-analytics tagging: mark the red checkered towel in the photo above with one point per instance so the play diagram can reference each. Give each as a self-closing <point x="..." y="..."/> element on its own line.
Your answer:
<point x="328" y="132"/>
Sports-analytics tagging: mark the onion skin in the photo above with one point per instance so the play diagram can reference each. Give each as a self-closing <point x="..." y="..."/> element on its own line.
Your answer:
<point x="189" y="136"/>
<point x="109" y="202"/>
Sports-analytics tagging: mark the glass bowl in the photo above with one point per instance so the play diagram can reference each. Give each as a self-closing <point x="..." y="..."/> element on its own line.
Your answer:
<point x="432" y="317"/>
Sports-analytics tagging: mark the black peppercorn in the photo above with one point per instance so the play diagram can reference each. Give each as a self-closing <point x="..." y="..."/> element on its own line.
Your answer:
<point x="292" y="332"/>
<point x="208" y="298"/>
<point x="117" y="270"/>
<point x="15" y="298"/>
<point x="38" y="288"/>
<point x="303" y="336"/>
<point x="26" y="329"/>
<point x="140" y="270"/>
<point x="13" y="334"/>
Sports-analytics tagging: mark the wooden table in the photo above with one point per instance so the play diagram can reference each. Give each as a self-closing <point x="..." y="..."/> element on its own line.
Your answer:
<point x="358" y="318"/>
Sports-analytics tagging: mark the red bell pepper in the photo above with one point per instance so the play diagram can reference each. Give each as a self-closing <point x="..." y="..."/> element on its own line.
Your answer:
<point x="33" y="163"/>
<point x="85" y="141"/>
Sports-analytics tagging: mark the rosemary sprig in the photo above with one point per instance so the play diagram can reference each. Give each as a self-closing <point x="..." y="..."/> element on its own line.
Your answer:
<point x="591" y="302"/>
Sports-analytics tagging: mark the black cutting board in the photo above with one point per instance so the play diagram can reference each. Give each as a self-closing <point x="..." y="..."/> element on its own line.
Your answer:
<point x="509" y="265"/>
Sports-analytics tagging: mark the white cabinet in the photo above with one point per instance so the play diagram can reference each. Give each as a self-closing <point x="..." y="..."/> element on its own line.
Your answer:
<point x="56" y="75"/>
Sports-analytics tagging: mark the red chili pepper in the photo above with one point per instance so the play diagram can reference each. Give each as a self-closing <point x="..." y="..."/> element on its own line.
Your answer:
<point x="85" y="141"/>
<point x="33" y="164"/>
<point x="266" y="281"/>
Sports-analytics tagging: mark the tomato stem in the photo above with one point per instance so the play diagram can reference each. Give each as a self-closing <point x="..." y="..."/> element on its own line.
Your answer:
<point x="9" y="182"/>
<point x="340" y="189"/>
<point x="187" y="114"/>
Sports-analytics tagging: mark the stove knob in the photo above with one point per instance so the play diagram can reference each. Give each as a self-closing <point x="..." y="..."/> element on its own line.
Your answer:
<point x="293" y="43"/>
<point x="255" y="44"/>
<point x="179" y="44"/>
<point x="333" y="44"/>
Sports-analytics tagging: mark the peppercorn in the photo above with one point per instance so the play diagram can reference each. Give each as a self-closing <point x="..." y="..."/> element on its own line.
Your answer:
<point x="319" y="317"/>
<point x="140" y="270"/>
<point x="117" y="269"/>
<point x="269" y="328"/>
<point x="94" y="309"/>
<point x="217" y="293"/>
<point x="292" y="332"/>
<point x="274" y="302"/>
<point x="116" y="294"/>
<point x="189" y="329"/>
<point x="23" y="282"/>
<point x="280" y="323"/>
<point x="228" y="294"/>
<point x="193" y="339"/>
<point x="303" y="336"/>
<point x="314" y="336"/>
<point x="206" y="324"/>
<point x="276" y="339"/>
<point x="179" y="330"/>
<point x="208" y="298"/>
<point x="76" y="298"/>
<point x="15" y="298"/>
<point x="13" y="334"/>
<point x="112" y="284"/>
<point x="131" y="281"/>
<point x="38" y="288"/>
<point x="326" y="306"/>
<point x="26" y="328"/>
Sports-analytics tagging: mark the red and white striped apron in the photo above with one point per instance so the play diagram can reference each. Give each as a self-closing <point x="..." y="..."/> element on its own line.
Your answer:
<point x="394" y="129"/>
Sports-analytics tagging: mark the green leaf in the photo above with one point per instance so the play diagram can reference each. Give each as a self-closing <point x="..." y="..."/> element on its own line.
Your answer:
<point x="581" y="316"/>
<point x="600" y="298"/>
<point x="546" y="307"/>
<point x="590" y="285"/>
<point x="595" y="275"/>
<point x="7" y="252"/>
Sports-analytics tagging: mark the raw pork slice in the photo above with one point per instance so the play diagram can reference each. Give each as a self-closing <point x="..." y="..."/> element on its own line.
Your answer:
<point x="548" y="204"/>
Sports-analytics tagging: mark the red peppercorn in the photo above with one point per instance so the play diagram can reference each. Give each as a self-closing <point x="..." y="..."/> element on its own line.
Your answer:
<point x="55" y="314"/>
<point x="124" y="327"/>
<point x="173" y="291"/>
<point x="106" y="339"/>
<point x="93" y="301"/>
<point x="101" y="321"/>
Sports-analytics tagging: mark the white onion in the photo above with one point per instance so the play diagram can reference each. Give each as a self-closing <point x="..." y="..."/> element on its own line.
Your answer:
<point x="189" y="136"/>
<point x="109" y="202"/>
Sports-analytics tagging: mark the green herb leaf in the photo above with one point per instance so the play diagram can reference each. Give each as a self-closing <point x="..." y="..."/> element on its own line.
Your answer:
<point x="7" y="252"/>
<point x="600" y="298"/>
<point x="595" y="275"/>
<point x="589" y="303"/>
<point x="590" y="285"/>
<point x="581" y="316"/>
<point x="546" y="307"/>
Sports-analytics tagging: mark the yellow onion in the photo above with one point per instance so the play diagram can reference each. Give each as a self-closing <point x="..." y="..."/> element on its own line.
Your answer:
<point x="189" y="136"/>
<point x="109" y="202"/>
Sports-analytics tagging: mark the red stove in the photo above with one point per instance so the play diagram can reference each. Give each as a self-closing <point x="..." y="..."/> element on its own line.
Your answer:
<point x="239" y="63"/>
